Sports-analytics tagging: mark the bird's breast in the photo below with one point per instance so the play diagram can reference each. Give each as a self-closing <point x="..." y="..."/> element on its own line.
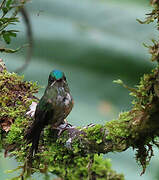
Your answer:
<point x="62" y="106"/>
<point x="64" y="103"/>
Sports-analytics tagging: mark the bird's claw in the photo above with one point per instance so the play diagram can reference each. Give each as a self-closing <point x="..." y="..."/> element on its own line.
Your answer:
<point x="63" y="127"/>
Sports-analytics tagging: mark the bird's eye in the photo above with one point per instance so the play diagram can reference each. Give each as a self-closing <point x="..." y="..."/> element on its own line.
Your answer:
<point x="52" y="79"/>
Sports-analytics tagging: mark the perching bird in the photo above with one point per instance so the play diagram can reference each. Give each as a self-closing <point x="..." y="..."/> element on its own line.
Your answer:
<point x="53" y="107"/>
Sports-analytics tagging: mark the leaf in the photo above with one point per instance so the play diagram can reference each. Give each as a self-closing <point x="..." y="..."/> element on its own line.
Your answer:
<point x="9" y="2"/>
<point x="7" y="50"/>
<point x="5" y="10"/>
<point x="7" y="35"/>
<point x="7" y="38"/>
<point x="118" y="81"/>
<point x="13" y="33"/>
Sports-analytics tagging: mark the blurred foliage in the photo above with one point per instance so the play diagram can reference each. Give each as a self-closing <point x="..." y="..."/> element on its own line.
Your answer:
<point x="9" y="10"/>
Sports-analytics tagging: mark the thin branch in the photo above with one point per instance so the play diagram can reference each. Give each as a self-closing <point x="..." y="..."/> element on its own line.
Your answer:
<point x="1" y="5"/>
<point x="30" y="40"/>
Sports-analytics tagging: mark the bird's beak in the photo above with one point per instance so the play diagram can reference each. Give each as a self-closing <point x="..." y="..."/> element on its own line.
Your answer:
<point x="53" y="83"/>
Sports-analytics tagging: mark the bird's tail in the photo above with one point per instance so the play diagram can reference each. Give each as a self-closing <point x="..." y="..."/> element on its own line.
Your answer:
<point x="33" y="135"/>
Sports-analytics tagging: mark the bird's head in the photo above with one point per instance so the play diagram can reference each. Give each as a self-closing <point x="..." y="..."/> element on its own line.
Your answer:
<point x="56" y="76"/>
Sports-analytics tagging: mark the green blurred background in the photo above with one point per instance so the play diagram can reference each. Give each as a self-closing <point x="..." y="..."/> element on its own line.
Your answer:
<point x="94" y="42"/>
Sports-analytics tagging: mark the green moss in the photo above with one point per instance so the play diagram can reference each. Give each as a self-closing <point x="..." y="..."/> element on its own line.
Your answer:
<point x="88" y="166"/>
<point x="16" y="97"/>
<point x="101" y="166"/>
<point x="119" y="128"/>
<point x="136" y="125"/>
<point x="95" y="133"/>
<point x="55" y="157"/>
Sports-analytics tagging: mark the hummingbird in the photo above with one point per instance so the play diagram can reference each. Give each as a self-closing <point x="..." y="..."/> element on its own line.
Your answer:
<point x="54" y="106"/>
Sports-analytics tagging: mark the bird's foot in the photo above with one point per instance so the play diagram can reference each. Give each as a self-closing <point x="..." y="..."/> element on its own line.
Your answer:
<point x="62" y="127"/>
<point x="73" y="132"/>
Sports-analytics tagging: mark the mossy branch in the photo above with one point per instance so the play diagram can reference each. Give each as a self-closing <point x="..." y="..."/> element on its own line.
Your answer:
<point x="60" y="155"/>
<point x="137" y="128"/>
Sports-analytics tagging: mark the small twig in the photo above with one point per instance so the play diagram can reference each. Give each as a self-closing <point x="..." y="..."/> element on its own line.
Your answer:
<point x="90" y="163"/>
<point x="30" y="39"/>
<point x="1" y="5"/>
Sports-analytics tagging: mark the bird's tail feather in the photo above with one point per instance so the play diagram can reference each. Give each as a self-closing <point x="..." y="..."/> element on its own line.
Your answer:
<point x="33" y="135"/>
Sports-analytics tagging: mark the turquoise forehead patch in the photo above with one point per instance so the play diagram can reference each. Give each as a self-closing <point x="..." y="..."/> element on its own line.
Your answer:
<point x="57" y="74"/>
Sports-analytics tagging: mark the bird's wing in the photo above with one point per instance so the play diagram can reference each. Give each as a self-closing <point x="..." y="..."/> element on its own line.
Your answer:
<point x="43" y="113"/>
